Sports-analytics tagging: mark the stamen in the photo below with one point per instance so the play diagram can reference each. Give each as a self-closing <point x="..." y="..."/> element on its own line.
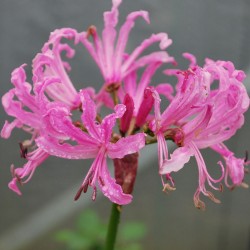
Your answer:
<point x="246" y="156"/>
<point x="78" y="194"/>
<point x="94" y="194"/>
<point x="212" y="198"/>
<point x="168" y="188"/>
<point x="91" y="31"/>
<point x="101" y="181"/>
<point x="199" y="204"/>
<point x="23" y="150"/>
<point x="244" y="185"/>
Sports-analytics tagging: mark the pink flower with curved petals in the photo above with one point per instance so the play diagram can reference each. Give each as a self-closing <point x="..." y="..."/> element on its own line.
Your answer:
<point x="94" y="144"/>
<point x="109" y="53"/>
<point x="50" y="64"/>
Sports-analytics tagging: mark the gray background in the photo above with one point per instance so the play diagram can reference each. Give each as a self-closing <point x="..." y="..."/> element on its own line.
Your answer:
<point x="216" y="29"/>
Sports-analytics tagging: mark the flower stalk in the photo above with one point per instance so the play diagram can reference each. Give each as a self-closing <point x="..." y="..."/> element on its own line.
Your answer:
<point x="113" y="227"/>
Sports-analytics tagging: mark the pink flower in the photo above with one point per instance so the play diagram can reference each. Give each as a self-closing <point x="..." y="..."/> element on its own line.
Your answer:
<point x="22" y="105"/>
<point x="94" y="144"/>
<point x="196" y="121"/>
<point x="109" y="51"/>
<point x="28" y="120"/>
<point x="234" y="166"/>
<point x="50" y="64"/>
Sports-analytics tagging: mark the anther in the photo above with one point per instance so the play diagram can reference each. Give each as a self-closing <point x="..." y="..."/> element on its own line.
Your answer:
<point x="23" y="150"/>
<point x="91" y="31"/>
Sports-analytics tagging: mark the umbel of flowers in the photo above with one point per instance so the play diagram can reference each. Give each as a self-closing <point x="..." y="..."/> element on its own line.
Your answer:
<point x="200" y="113"/>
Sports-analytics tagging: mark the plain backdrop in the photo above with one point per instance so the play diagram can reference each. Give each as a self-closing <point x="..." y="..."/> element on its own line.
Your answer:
<point x="218" y="29"/>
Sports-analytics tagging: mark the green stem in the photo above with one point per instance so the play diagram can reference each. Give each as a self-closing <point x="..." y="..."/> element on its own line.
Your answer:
<point x="112" y="227"/>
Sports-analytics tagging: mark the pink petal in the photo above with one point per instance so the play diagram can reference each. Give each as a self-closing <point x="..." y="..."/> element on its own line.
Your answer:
<point x="49" y="63"/>
<point x="125" y="146"/>
<point x="191" y="58"/>
<point x="23" y="88"/>
<point x="110" y="188"/>
<point x="13" y="186"/>
<point x="160" y="37"/>
<point x="89" y="115"/>
<point x="99" y="172"/>
<point x="35" y="158"/>
<point x="165" y="89"/>
<point x="177" y="160"/>
<point x="108" y="38"/>
<point x="14" y="108"/>
<point x="109" y="121"/>
<point x="65" y="150"/>
<point x="162" y="149"/>
<point x="124" y="34"/>
<point x="8" y="127"/>
<point x="155" y="58"/>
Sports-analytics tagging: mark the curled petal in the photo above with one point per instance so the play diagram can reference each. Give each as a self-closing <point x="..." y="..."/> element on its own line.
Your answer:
<point x="66" y="150"/>
<point x="110" y="188"/>
<point x="14" y="108"/>
<point x="109" y="121"/>
<point x="124" y="33"/>
<point x="24" y="174"/>
<point x="177" y="160"/>
<point x="191" y="58"/>
<point x="13" y="186"/>
<point x="165" y="89"/>
<point x="160" y="37"/>
<point x="8" y="127"/>
<point x="125" y="146"/>
<point x="89" y="115"/>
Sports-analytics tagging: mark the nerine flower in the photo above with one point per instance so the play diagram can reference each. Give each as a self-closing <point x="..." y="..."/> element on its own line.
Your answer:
<point x="94" y="141"/>
<point x="49" y="63"/>
<point x="21" y="104"/>
<point x="109" y="50"/>
<point x="202" y="121"/>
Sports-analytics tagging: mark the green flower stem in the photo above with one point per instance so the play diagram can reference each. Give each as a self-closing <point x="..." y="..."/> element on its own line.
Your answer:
<point x="112" y="227"/>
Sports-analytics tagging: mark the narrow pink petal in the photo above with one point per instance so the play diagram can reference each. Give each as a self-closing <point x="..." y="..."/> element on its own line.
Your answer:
<point x="155" y="124"/>
<point x="126" y="145"/>
<point x="157" y="58"/>
<point x="8" y="127"/>
<point x="109" y="121"/>
<point x="193" y="128"/>
<point x="124" y="34"/>
<point x="50" y="63"/>
<point x="160" y="37"/>
<point x="23" y="88"/>
<point x="96" y="50"/>
<point x="177" y="160"/>
<point x="191" y="58"/>
<point x="108" y="38"/>
<point x="13" y="186"/>
<point x="89" y="115"/>
<point x="110" y="188"/>
<point x="165" y="89"/>
<point x="14" y="108"/>
<point x="145" y="80"/>
<point x="65" y="150"/>
<point x="162" y="150"/>
<point x="24" y="174"/>
<point x="99" y="172"/>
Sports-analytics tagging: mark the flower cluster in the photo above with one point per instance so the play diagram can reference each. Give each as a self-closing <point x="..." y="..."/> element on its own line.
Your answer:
<point x="205" y="109"/>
